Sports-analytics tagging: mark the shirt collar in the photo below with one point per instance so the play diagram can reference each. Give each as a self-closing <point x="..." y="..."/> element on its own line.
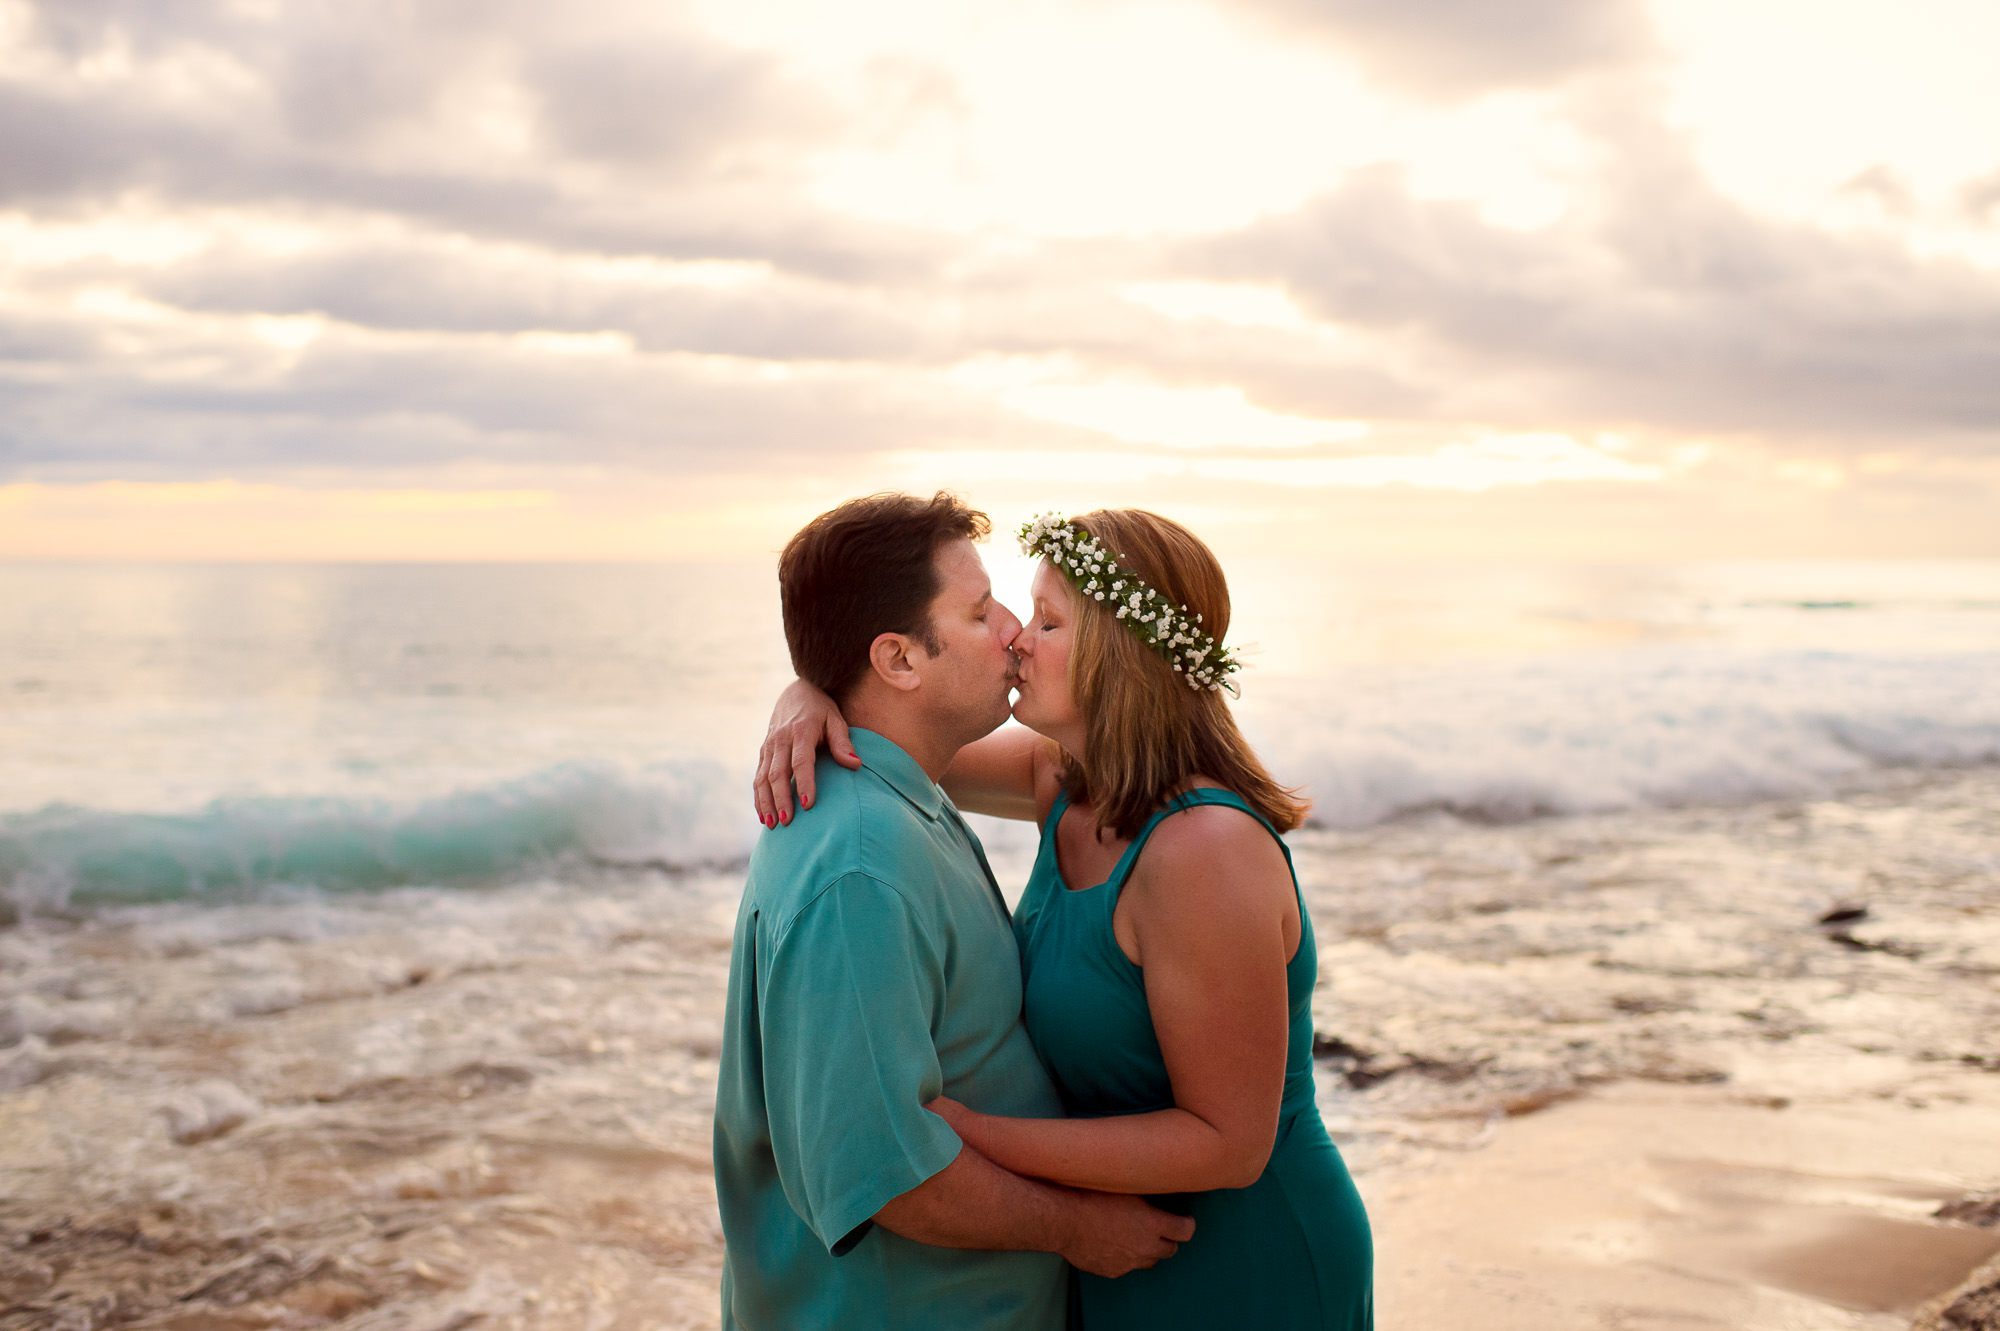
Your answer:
<point x="888" y="761"/>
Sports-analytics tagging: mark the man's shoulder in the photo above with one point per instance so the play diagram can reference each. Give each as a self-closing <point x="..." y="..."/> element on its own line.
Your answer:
<point x="858" y="828"/>
<point x="856" y="815"/>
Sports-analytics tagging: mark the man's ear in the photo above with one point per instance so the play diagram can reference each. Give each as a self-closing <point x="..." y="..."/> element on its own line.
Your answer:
<point x="890" y="657"/>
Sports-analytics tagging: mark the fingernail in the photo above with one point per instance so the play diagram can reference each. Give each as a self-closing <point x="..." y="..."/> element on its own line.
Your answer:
<point x="806" y="803"/>
<point x="785" y="818"/>
<point x="765" y="819"/>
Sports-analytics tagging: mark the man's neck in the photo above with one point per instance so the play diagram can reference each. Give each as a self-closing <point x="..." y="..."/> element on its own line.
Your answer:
<point x="908" y="732"/>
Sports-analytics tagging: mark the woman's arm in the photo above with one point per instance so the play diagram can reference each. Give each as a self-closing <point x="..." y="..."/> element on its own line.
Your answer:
<point x="1214" y="916"/>
<point x="803" y="720"/>
<point x="1011" y="773"/>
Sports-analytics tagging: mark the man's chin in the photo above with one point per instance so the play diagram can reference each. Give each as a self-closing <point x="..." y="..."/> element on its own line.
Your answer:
<point x="1004" y="706"/>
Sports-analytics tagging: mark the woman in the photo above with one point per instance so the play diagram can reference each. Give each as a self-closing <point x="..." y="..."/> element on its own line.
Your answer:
<point x="1167" y="958"/>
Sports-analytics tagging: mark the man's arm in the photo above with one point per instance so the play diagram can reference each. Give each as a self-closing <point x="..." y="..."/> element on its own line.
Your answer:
<point x="849" y="1061"/>
<point x="973" y="1203"/>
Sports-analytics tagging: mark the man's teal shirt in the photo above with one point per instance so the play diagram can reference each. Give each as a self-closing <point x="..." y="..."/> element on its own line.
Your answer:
<point x="874" y="968"/>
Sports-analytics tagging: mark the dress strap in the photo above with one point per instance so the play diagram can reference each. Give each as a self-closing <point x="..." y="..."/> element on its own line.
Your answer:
<point x="1190" y="799"/>
<point x="1056" y="811"/>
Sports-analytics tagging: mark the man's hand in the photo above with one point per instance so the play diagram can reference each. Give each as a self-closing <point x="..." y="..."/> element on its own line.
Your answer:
<point x="1116" y="1233"/>
<point x="803" y="719"/>
<point x="951" y="1111"/>
<point x="973" y="1203"/>
<point x="1108" y="1233"/>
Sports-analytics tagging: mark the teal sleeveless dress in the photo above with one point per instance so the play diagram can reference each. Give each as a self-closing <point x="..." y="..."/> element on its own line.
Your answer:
<point x="1293" y="1249"/>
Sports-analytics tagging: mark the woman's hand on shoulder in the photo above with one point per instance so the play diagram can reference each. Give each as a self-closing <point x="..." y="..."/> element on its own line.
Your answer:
<point x="804" y="719"/>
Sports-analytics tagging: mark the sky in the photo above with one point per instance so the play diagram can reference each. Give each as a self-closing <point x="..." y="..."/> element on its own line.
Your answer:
<point x="499" y="279"/>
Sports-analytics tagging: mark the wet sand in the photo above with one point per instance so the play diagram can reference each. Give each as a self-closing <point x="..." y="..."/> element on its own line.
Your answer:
<point x="1648" y="1206"/>
<point x="1590" y="1072"/>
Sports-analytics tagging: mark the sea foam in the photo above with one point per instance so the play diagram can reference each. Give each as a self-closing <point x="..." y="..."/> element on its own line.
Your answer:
<point x="1658" y="730"/>
<point x="670" y="816"/>
<point x="1492" y="742"/>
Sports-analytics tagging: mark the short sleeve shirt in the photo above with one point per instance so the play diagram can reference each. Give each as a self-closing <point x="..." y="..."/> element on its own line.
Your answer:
<point x="873" y="969"/>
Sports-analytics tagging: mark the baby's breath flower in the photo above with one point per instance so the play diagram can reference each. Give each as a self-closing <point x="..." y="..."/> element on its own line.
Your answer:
<point x="1083" y="560"/>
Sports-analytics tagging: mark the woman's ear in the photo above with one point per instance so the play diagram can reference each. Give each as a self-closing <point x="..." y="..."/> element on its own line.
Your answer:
<point x="889" y="658"/>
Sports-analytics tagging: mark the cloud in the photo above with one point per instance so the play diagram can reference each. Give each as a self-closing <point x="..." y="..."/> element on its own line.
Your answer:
<point x="360" y="403"/>
<point x="662" y="142"/>
<point x="41" y="341"/>
<point x="1452" y="49"/>
<point x="1664" y="305"/>
<point x="1981" y="197"/>
<point x="1882" y="186"/>
<point x="1076" y="314"/>
<point x="79" y="28"/>
<point x="458" y="239"/>
<point x="670" y="107"/>
<point x="432" y="284"/>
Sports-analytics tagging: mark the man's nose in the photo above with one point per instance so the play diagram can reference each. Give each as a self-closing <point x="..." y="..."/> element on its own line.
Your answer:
<point x="1010" y="627"/>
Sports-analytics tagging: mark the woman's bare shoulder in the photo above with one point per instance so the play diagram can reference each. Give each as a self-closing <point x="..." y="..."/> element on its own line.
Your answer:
<point x="1209" y="831"/>
<point x="1213" y="851"/>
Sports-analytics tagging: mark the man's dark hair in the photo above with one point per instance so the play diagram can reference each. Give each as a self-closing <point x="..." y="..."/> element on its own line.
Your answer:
<point x="862" y="570"/>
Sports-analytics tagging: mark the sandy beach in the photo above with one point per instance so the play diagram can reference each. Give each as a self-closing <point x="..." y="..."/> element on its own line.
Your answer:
<point x="1648" y="1206"/>
<point x="1590" y="1072"/>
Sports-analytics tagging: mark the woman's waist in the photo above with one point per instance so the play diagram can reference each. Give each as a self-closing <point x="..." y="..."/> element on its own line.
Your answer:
<point x="1301" y="1153"/>
<point x="1108" y="1087"/>
<point x="1299" y="1100"/>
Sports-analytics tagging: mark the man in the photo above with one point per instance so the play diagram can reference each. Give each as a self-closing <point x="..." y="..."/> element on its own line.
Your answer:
<point x="874" y="968"/>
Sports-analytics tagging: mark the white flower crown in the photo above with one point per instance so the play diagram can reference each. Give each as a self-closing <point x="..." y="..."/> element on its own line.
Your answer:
<point x="1202" y="661"/>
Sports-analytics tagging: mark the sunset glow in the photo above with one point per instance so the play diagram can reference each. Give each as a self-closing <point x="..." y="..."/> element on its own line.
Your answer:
<point x="656" y="282"/>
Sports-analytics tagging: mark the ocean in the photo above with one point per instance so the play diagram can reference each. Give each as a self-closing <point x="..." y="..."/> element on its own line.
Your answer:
<point x="216" y="732"/>
<point x="363" y="928"/>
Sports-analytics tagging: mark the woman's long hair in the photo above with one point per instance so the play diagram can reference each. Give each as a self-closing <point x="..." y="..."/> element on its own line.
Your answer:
<point x="1145" y="731"/>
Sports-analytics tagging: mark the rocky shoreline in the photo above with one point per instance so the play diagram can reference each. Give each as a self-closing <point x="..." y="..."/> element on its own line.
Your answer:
<point x="1682" y="1068"/>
